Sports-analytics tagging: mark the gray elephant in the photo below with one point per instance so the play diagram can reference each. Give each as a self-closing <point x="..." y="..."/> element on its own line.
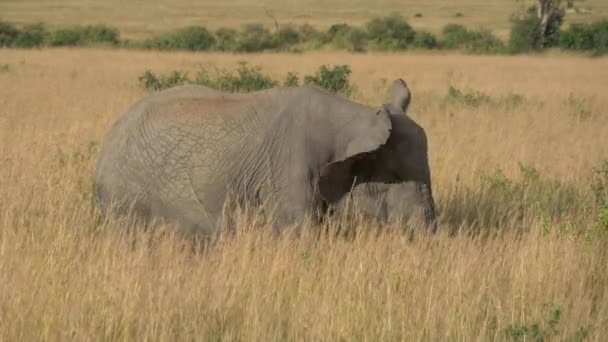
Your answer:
<point x="179" y="154"/>
<point x="410" y="203"/>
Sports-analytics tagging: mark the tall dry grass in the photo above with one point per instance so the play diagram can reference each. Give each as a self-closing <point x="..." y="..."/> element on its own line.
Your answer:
<point x="541" y="269"/>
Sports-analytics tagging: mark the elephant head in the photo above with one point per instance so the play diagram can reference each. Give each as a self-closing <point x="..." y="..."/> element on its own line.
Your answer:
<point x="395" y="153"/>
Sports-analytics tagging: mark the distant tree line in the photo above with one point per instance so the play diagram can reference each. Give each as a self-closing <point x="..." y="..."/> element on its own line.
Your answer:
<point x="530" y="31"/>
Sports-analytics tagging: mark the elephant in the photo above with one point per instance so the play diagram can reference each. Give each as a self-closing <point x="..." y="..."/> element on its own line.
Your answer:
<point x="410" y="202"/>
<point x="190" y="154"/>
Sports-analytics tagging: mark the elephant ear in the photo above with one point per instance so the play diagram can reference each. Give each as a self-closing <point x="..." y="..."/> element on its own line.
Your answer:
<point x="354" y="165"/>
<point x="401" y="97"/>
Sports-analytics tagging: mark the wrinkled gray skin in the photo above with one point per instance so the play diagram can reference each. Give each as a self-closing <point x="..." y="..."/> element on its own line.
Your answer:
<point x="409" y="203"/>
<point x="177" y="155"/>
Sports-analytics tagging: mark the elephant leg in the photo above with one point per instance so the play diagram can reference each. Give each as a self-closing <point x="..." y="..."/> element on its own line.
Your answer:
<point x="300" y="208"/>
<point x="427" y="204"/>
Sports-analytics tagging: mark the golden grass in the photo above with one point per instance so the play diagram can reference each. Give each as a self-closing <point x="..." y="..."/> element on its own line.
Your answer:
<point x="63" y="276"/>
<point x="142" y="18"/>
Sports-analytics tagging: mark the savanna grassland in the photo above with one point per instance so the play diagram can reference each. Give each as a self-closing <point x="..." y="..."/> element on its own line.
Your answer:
<point x="518" y="151"/>
<point x="137" y="18"/>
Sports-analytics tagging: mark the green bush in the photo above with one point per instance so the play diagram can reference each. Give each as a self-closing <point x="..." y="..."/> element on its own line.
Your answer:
<point x="286" y="36"/>
<point x="255" y="37"/>
<point x="246" y="79"/>
<point x="8" y="33"/>
<point x="484" y="41"/>
<point x="192" y="38"/>
<point x="390" y="33"/>
<point x="71" y="36"/>
<point x="425" y="40"/>
<point x="456" y="36"/>
<point x="577" y="37"/>
<point x="470" y="99"/>
<point x="344" y="36"/>
<point x="600" y="36"/>
<point x="195" y="38"/>
<point x="308" y="33"/>
<point x="475" y="98"/>
<point x="100" y="34"/>
<point x="150" y="81"/>
<point x="226" y="39"/>
<point x="525" y="34"/>
<point x="291" y="80"/>
<point x="591" y="37"/>
<point x="30" y="36"/>
<point x="335" y="31"/>
<point x="79" y="35"/>
<point x="335" y="79"/>
<point x="386" y="33"/>
<point x="536" y="331"/>
<point x="161" y="42"/>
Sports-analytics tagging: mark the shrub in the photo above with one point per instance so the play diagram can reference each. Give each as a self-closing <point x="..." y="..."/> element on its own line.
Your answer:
<point x="226" y="39"/>
<point x="476" y="98"/>
<point x="600" y="36"/>
<point x="471" y="98"/>
<point x="484" y="41"/>
<point x="418" y="15"/>
<point x="459" y="37"/>
<point x="308" y="33"/>
<point x="335" y="31"/>
<point x="286" y="37"/>
<point x="454" y="36"/>
<point x="150" y="81"/>
<point x="161" y="42"/>
<point x="100" y="34"/>
<point x="255" y="37"/>
<point x="335" y="79"/>
<point x="391" y="32"/>
<point x="8" y="33"/>
<point x="246" y="79"/>
<point x="577" y="37"/>
<point x="31" y="36"/>
<point x="291" y="80"/>
<point x="586" y="37"/>
<point x="344" y="36"/>
<point x="525" y="34"/>
<point x="66" y="37"/>
<point x="193" y="38"/>
<point x="425" y="40"/>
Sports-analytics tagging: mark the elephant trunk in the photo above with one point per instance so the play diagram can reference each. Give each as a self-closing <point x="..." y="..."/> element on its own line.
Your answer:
<point x="425" y="196"/>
